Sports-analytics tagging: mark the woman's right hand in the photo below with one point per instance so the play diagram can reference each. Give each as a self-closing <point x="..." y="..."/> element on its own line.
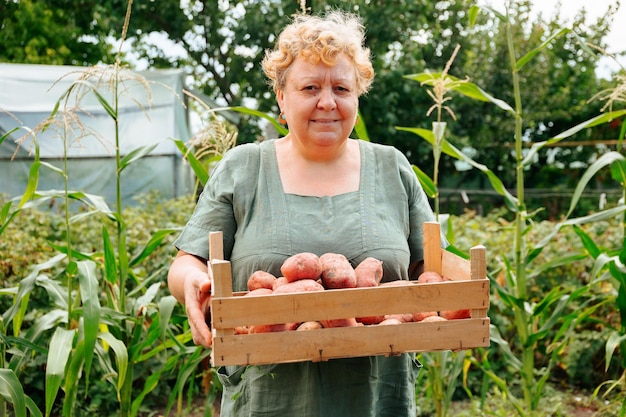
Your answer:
<point x="197" y="305"/>
<point x="190" y="283"/>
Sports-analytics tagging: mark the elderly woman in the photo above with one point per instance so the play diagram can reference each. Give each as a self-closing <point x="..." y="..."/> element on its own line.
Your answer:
<point x="314" y="190"/>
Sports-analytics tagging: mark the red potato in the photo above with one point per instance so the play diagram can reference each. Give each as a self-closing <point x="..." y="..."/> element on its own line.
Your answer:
<point x="370" y="320"/>
<point x="423" y="314"/>
<point x="433" y="319"/>
<point x="369" y="272"/>
<point x="428" y="277"/>
<point x="304" y="265"/>
<point x="268" y="328"/>
<point x="403" y="318"/>
<point x="242" y="330"/>
<point x="261" y="279"/>
<point x="258" y="291"/>
<point x="309" y="325"/>
<point x="301" y="285"/>
<point x="279" y="281"/>
<point x="455" y="314"/>
<point x="337" y="272"/>
<point x="389" y="321"/>
<point x="351" y="322"/>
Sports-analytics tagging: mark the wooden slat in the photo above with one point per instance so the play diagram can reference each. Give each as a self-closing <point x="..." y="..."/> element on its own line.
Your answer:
<point x="355" y="302"/>
<point x="432" y="247"/>
<point x="324" y="344"/>
<point x="454" y="267"/>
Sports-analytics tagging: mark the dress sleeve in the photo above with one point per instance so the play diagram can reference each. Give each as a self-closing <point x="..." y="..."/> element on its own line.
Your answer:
<point x="216" y="206"/>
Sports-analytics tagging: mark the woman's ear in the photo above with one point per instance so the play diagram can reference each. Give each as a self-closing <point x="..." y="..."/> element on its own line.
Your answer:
<point x="280" y="98"/>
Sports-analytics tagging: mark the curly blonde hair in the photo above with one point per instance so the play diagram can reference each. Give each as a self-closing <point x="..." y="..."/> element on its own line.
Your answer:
<point x="316" y="39"/>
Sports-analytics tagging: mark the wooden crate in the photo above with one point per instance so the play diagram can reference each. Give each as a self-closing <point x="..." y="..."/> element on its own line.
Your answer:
<point x="468" y="290"/>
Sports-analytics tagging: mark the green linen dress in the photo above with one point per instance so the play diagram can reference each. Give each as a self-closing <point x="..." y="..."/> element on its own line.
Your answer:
<point x="263" y="226"/>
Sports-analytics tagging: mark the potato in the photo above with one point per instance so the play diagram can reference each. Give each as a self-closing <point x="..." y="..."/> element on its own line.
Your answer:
<point x="309" y="325"/>
<point x="304" y="265"/>
<point x="268" y="328"/>
<point x="279" y="281"/>
<point x="428" y="277"/>
<point x="261" y="279"/>
<point x="337" y="272"/>
<point x="402" y="318"/>
<point x="455" y="314"/>
<point x="389" y="321"/>
<point x="258" y="291"/>
<point x="433" y="318"/>
<point x="351" y="322"/>
<point x="242" y="330"/>
<point x="369" y="320"/>
<point x="369" y="272"/>
<point x="423" y="314"/>
<point x="301" y="285"/>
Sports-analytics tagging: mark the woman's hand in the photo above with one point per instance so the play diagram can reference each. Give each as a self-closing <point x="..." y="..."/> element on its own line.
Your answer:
<point x="197" y="298"/>
<point x="190" y="283"/>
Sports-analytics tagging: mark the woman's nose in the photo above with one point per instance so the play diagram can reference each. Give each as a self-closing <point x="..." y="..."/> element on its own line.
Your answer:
<point x="327" y="99"/>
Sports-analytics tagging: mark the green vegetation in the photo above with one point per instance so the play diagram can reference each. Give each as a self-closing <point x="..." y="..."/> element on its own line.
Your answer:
<point x="88" y="326"/>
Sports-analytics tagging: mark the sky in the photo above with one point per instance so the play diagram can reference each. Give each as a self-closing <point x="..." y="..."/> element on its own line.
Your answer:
<point x="616" y="38"/>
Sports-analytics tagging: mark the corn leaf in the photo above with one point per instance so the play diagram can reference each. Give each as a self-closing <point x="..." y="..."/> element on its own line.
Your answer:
<point x="136" y="154"/>
<point x="615" y="339"/>
<point x="110" y="265"/>
<point x="524" y="60"/>
<point x="197" y="167"/>
<point x="121" y="357"/>
<point x="452" y="151"/>
<point x="12" y="391"/>
<point x="58" y="355"/>
<point x="72" y="378"/>
<point x="152" y="245"/>
<point x="89" y="291"/>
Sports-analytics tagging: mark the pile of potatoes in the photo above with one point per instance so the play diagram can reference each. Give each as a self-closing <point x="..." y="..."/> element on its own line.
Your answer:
<point x="308" y="272"/>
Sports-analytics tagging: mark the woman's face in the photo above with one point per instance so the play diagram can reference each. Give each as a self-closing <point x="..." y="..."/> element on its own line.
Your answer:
<point x="320" y="102"/>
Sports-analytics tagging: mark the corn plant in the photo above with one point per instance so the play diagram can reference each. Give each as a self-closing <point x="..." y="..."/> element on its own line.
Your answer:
<point x="547" y="321"/>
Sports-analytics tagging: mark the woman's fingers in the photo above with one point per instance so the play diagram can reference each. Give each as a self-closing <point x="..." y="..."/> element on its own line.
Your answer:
<point x="197" y="298"/>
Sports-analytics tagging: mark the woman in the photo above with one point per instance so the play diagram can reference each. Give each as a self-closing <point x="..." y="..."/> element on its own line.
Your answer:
<point x="314" y="190"/>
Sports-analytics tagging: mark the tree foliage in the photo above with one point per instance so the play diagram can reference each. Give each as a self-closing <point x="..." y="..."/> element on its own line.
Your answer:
<point x="220" y="44"/>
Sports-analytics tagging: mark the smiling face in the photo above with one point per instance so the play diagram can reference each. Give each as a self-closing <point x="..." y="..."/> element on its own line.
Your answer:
<point x="320" y="102"/>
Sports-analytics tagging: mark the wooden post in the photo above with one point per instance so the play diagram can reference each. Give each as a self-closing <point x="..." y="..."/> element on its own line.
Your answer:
<point x="432" y="247"/>
<point x="478" y="270"/>
<point x="220" y="274"/>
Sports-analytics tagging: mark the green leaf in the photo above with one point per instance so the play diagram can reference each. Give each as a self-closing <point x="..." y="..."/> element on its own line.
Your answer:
<point x="614" y="340"/>
<point x="524" y="60"/>
<point x="72" y="378"/>
<point x="473" y="15"/>
<point x="153" y="244"/>
<point x="12" y="391"/>
<point x="167" y="305"/>
<point x="121" y="357"/>
<point x="361" y="130"/>
<point x="427" y="183"/>
<point x="200" y="170"/>
<point x="463" y="87"/>
<point x="89" y="292"/>
<point x="110" y="264"/>
<point x="135" y="154"/>
<point x="605" y="160"/>
<point x="452" y="151"/>
<point x="58" y="355"/>
<point x="282" y="130"/>
<point x="618" y="172"/>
